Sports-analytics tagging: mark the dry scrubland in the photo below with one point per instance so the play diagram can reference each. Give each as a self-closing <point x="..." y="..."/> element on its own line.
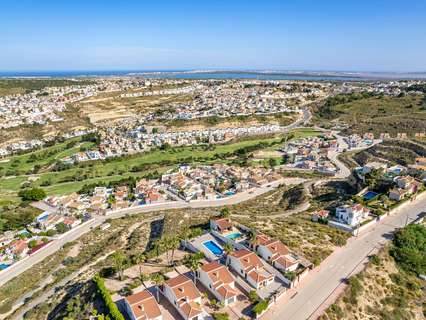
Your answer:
<point x="100" y="109"/>
<point x="381" y="292"/>
<point x="377" y="114"/>
<point x="131" y="235"/>
<point x="393" y="151"/>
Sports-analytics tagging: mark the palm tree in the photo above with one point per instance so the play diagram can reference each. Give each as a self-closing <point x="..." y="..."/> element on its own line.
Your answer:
<point x="252" y="238"/>
<point x="144" y="277"/>
<point x="119" y="260"/>
<point x="228" y="249"/>
<point x="158" y="279"/>
<point x="193" y="262"/>
<point x="138" y="259"/>
<point x="185" y="233"/>
<point x="174" y="244"/>
<point x="167" y="243"/>
<point x="158" y="246"/>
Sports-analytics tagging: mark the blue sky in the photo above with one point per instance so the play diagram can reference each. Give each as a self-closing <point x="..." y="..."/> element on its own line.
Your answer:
<point x="353" y="35"/>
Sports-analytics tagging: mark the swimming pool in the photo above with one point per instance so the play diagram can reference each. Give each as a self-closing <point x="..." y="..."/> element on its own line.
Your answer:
<point x="370" y="195"/>
<point x="213" y="247"/>
<point x="4" y="266"/>
<point x="234" y="235"/>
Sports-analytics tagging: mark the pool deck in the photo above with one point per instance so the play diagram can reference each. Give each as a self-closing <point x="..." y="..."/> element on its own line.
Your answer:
<point x="198" y="244"/>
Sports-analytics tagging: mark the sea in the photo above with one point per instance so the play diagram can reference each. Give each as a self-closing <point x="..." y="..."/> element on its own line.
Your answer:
<point x="220" y="74"/>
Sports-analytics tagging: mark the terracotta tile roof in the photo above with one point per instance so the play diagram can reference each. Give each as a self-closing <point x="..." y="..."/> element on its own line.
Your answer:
<point x="359" y="207"/>
<point x="182" y="287"/>
<point x="277" y="247"/>
<point x="262" y="239"/>
<point x="322" y="213"/>
<point x="285" y="261"/>
<point x="248" y="259"/>
<point x="260" y="275"/>
<point x="226" y="291"/>
<point x="223" y="223"/>
<point x="218" y="273"/>
<point x="191" y="309"/>
<point x="144" y="305"/>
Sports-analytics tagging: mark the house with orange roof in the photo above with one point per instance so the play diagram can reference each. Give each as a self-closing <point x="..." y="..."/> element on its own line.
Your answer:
<point x="142" y="306"/>
<point x="121" y="192"/>
<point x="18" y="248"/>
<point x="404" y="182"/>
<point x="219" y="281"/>
<point x="221" y="225"/>
<point x="320" y="215"/>
<point x="352" y="215"/>
<point x="250" y="267"/>
<point x="398" y="194"/>
<point x="276" y="253"/>
<point x="185" y="297"/>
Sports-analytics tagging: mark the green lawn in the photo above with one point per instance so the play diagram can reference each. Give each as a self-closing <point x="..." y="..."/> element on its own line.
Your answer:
<point x="47" y="155"/>
<point x="118" y="168"/>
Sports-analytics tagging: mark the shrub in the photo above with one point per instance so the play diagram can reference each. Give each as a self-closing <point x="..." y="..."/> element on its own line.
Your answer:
<point x="409" y="246"/>
<point x="106" y="296"/>
<point x="260" y="306"/>
<point x="253" y="297"/>
<point x="220" y="316"/>
<point x="355" y="288"/>
<point x="34" y="194"/>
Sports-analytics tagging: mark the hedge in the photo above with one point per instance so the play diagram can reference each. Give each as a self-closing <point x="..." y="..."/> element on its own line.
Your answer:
<point x="112" y="307"/>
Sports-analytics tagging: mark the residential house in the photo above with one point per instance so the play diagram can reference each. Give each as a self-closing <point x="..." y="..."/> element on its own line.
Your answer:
<point x="404" y="182"/>
<point x="121" y="192"/>
<point x="185" y="297"/>
<point x="18" y="248"/>
<point x="398" y="194"/>
<point x="320" y="215"/>
<point x="221" y="225"/>
<point x="370" y="166"/>
<point x="276" y="253"/>
<point x="142" y="306"/>
<point x="250" y="267"/>
<point x="352" y="215"/>
<point x="219" y="281"/>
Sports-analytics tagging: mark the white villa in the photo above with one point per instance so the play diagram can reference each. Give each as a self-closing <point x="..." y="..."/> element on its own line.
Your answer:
<point x="249" y="266"/>
<point x="185" y="297"/>
<point x="219" y="281"/>
<point x="352" y="215"/>
<point x="276" y="253"/>
<point x="142" y="306"/>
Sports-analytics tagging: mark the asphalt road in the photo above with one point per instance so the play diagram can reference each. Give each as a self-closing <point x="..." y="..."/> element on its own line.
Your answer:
<point x="308" y="299"/>
<point x="74" y="234"/>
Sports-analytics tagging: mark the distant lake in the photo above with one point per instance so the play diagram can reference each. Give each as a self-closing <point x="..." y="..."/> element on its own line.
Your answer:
<point x="185" y="74"/>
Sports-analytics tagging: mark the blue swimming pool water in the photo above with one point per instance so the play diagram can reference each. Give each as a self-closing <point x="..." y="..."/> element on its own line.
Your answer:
<point x="213" y="247"/>
<point x="234" y="235"/>
<point x="369" y="195"/>
<point x="3" y="266"/>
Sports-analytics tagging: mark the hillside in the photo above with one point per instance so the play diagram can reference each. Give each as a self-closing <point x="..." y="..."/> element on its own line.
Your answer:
<point x="366" y="113"/>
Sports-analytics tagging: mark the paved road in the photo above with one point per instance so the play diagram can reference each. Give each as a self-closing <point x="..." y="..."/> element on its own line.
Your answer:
<point x="341" y="264"/>
<point x="74" y="234"/>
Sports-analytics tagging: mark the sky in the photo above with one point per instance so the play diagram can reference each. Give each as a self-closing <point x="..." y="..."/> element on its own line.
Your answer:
<point x="344" y="35"/>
